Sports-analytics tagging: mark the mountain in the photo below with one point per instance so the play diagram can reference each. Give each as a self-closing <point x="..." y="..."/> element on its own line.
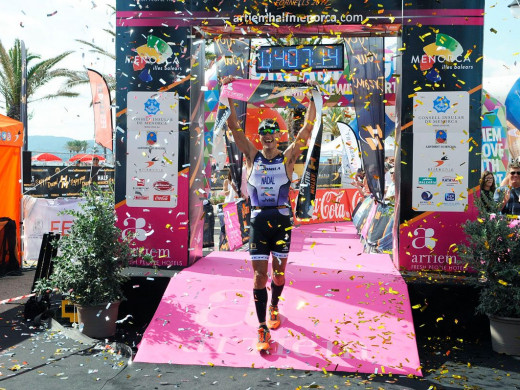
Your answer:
<point x="55" y="145"/>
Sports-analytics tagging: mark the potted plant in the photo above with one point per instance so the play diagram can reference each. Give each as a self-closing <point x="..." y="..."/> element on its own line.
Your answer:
<point x="91" y="258"/>
<point x="493" y="252"/>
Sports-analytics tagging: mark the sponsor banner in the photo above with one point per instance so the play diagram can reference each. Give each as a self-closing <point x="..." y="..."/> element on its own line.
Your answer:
<point x="53" y="181"/>
<point x="365" y="55"/>
<point x="163" y="233"/>
<point x="278" y="12"/>
<point x="101" y="104"/>
<point x="42" y="216"/>
<point x="233" y="231"/>
<point x="153" y="138"/>
<point x="440" y="144"/>
<point x="495" y="152"/>
<point x="424" y="244"/>
<point x="329" y="176"/>
<point x="331" y="205"/>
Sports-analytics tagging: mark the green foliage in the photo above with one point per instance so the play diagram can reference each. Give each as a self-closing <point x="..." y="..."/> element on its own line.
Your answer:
<point x="493" y="251"/>
<point x="39" y="75"/>
<point x="76" y="146"/>
<point x="91" y="258"/>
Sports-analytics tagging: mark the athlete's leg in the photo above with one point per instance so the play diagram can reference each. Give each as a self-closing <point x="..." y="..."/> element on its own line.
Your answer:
<point x="278" y="280"/>
<point x="277" y="284"/>
<point x="260" y="296"/>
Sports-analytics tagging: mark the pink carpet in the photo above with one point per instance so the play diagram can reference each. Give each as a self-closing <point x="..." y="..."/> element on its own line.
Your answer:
<point x="342" y="310"/>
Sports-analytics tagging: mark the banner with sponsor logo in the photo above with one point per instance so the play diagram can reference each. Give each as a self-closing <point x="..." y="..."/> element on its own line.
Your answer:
<point x="42" y="216"/>
<point x="153" y="136"/>
<point x="365" y="56"/>
<point x="57" y="181"/>
<point x="440" y="133"/>
<point x="330" y="205"/>
<point x="102" y="109"/>
<point x="153" y="125"/>
<point x="495" y="151"/>
<point x="440" y="144"/>
<point x="233" y="232"/>
<point x="242" y="209"/>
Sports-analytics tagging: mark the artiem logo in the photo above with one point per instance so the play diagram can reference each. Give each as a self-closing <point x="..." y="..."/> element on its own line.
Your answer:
<point x="447" y="51"/>
<point x="424" y="238"/>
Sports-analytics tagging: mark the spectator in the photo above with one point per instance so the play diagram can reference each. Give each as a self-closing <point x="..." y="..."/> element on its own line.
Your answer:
<point x="508" y="196"/>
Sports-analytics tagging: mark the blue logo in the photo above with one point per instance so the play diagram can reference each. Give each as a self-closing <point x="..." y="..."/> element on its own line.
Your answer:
<point x="427" y="195"/>
<point x="441" y="104"/>
<point x="449" y="197"/>
<point x="151" y="106"/>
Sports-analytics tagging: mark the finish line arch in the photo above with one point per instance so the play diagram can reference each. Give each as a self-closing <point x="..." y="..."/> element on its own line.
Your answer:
<point x="161" y="112"/>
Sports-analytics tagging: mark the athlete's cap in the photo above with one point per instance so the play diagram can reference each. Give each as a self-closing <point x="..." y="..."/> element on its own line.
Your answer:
<point x="268" y="126"/>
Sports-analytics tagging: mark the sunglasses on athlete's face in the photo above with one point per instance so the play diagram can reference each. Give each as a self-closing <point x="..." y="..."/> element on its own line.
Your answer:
<point x="265" y="131"/>
<point x="513" y="173"/>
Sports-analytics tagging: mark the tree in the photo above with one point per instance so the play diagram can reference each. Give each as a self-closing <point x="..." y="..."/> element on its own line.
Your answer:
<point x="76" y="146"/>
<point x="38" y="75"/>
<point x="333" y="115"/>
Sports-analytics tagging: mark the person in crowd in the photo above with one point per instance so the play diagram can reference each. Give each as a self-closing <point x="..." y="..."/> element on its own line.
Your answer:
<point x="487" y="190"/>
<point x="269" y="173"/>
<point x="230" y="191"/>
<point x="508" y="196"/>
<point x="390" y="189"/>
<point x="361" y="182"/>
<point x="94" y="170"/>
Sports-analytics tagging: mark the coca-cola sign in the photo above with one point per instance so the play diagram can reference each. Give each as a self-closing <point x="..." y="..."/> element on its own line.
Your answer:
<point x="331" y="205"/>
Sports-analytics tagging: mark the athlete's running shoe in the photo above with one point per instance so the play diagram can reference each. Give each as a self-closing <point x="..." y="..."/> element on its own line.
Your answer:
<point x="274" y="317"/>
<point x="264" y="336"/>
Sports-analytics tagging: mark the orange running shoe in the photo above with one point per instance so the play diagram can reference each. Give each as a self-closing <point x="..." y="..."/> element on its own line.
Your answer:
<point x="264" y="336"/>
<point x="274" y="317"/>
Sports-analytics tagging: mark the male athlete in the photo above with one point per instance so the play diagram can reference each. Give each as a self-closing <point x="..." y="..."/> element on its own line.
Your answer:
<point x="268" y="180"/>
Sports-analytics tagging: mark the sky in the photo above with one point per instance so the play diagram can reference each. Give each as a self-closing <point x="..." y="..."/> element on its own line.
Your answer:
<point x="50" y="27"/>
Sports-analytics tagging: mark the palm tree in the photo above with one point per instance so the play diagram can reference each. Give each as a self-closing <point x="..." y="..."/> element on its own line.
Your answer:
<point x="76" y="146"/>
<point x="332" y="115"/>
<point x="81" y="77"/>
<point x="38" y="75"/>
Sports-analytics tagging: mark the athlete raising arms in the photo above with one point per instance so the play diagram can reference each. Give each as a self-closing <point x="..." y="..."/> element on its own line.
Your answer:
<point x="268" y="180"/>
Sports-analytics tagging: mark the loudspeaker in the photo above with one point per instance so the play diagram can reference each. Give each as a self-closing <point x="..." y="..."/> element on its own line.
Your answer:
<point x="26" y="159"/>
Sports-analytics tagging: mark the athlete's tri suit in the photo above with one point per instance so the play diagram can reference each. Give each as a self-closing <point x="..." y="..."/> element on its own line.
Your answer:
<point x="268" y="186"/>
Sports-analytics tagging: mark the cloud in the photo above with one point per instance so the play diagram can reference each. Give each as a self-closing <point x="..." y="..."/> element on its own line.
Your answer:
<point x="499" y="77"/>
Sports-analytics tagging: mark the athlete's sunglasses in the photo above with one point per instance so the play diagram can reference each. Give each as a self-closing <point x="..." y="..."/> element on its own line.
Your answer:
<point x="267" y="130"/>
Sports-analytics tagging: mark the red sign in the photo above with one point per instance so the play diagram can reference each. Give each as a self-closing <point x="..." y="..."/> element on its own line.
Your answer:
<point x="330" y="205"/>
<point x="161" y="198"/>
<point x="162" y="185"/>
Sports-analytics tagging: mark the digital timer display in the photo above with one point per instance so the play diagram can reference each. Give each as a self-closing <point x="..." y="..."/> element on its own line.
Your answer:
<point x="293" y="58"/>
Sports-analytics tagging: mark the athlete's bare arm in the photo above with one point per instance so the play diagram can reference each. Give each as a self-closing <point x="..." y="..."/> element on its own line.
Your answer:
<point x="239" y="135"/>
